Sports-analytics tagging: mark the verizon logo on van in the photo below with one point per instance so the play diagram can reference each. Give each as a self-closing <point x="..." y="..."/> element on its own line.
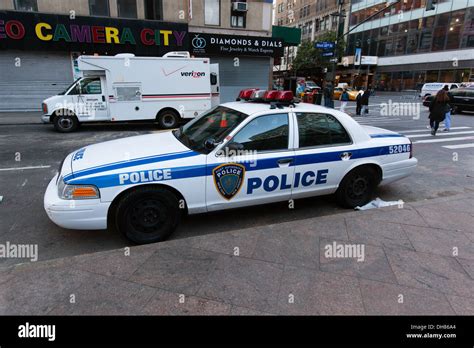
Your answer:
<point x="195" y="74"/>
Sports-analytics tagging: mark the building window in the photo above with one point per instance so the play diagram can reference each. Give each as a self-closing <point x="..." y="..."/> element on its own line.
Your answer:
<point x="212" y="12"/>
<point x="26" y="5"/>
<point x="99" y="7"/>
<point x="154" y="9"/>
<point x="237" y="18"/>
<point x="127" y="8"/>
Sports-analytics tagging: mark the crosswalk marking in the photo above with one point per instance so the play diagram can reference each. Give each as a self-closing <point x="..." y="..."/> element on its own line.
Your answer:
<point x="426" y="129"/>
<point x="439" y="134"/>
<point x="442" y="140"/>
<point x="460" y="146"/>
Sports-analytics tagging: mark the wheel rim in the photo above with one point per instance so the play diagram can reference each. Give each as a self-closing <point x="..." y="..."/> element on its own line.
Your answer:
<point x="168" y="120"/>
<point x="358" y="187"/>
<point x="65" y="122"/>
<point x="147" y="215"/>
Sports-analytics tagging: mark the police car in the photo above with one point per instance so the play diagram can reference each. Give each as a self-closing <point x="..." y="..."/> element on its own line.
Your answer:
<point x="262" y="148"/>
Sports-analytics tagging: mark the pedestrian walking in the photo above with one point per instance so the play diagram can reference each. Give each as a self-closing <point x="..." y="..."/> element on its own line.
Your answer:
<point x="344" y="99"/>
<point x="447" y="119"/>
<point x="328" y="95"/>
<point x="359" y="101"/>
<point x="364" y="101"/>
<point x="438" y="109"/>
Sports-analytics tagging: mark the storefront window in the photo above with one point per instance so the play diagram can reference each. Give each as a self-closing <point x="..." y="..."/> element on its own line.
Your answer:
<point x="446" y="76"/>
<point x="462" y="75"/>
<point x="99" y="7"/>
<point x="127" y="8"/>
<point x="432" y="76"/>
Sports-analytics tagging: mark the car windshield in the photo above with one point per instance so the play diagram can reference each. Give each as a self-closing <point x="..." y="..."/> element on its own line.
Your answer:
<point x="67" y="88"/>
<point x="215" y="124"/>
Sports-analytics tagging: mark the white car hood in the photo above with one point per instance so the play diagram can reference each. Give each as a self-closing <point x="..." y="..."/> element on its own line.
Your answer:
<point x="123" y="150"/>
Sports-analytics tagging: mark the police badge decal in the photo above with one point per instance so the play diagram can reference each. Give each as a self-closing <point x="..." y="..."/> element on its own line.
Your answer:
<point x="228" y="179"/>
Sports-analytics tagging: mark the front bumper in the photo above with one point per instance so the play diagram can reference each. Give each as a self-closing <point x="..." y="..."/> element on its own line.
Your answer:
<point x="398" y="170"/>
<point x="87" y="214"/>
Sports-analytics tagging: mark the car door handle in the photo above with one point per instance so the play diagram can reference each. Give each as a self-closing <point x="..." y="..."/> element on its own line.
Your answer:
<point x="103" y="98"/>
<point x="285" y="160"/>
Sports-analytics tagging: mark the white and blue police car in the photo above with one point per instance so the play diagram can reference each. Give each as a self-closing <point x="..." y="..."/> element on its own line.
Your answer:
<point x="242" y="153"/>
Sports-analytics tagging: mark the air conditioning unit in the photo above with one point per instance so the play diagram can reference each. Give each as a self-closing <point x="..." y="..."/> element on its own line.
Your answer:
<point x="240" y="6"/>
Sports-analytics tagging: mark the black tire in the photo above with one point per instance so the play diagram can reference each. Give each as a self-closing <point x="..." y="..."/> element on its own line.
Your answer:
<point x="147" y="214"/>
<point x="168" y="119"/>
<point x="357" y="188"/>
<point x="65" y="123"/>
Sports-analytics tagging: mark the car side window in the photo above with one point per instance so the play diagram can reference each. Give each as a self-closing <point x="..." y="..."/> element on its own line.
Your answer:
<point x="320" y="129"/>
<point x="264" y="133"/>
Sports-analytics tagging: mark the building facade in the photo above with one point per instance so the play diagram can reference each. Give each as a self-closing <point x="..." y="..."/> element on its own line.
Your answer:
<point x="40" y="40"/>
<point x="412" y="45"/>
<point x="313" y="17"/>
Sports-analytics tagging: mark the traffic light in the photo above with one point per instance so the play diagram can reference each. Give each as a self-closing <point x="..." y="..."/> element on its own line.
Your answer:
<point x="430" y="4"/>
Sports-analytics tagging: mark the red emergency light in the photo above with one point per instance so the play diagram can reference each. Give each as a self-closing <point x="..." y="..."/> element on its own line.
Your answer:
<point x="285" y="96"/>
<point x="270" y="95"/>
<point x="246" y="94"/>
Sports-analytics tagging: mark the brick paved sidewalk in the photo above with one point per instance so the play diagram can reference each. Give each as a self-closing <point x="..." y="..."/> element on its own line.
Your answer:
<point x="280" y="269"/>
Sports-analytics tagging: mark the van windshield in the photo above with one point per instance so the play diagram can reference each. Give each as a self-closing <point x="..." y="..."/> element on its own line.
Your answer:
<point x="215" y="124"/>
<point x="67" y="88"/>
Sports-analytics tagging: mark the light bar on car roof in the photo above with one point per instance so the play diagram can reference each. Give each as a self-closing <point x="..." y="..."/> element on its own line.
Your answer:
<point x="245" y="94"/>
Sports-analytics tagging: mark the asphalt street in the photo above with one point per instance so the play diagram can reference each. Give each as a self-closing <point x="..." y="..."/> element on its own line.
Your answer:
<point x="30" y="153"/>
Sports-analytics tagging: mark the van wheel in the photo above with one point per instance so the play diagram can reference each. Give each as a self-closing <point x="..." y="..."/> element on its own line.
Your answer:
<point x="357" y="188"/>
<point x="147" y="215"/>
<point x="168" y="119"/>
<point x="65" y="123"/>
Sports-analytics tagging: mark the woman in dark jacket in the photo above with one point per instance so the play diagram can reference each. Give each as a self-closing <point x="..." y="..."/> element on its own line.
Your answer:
<point x="438" y="108"/>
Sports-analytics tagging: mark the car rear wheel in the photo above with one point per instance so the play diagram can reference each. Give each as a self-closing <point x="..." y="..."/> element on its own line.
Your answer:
<point x="168" y="119"/>
<point x="147" y="215"/>
<point x="357" y="188"/>
<point x="65" y="123"/>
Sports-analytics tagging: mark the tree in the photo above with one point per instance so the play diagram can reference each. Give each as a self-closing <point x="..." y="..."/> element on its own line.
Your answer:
<point x="309" y="58"/>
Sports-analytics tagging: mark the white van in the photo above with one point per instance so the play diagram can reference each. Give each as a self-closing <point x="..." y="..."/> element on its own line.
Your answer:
<point x="128" y="88"/>
<point x="433" y="88"/>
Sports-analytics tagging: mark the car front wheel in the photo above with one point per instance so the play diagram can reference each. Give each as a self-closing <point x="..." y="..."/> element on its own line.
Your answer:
<point x="147" y="214"/>
<point x="357" y="188"/>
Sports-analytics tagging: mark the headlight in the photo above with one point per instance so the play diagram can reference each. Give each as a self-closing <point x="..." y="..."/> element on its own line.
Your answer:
<point x="70" y="192"/>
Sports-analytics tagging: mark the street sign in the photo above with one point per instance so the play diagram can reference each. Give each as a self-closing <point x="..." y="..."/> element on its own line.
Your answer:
<point x="327" y="54"/>
<point x="357" y="56"/>
<point x="325" y="45"/>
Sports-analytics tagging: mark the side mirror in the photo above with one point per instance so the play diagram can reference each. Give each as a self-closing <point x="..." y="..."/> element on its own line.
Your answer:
<point x="210" y="144"/>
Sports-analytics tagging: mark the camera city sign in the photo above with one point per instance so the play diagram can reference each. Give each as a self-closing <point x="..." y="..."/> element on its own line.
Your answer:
<point x="205" y="44"/>
<point x="27" y="30"/>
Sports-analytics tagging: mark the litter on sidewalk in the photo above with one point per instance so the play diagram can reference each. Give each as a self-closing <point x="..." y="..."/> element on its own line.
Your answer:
<point x="379" y="203"/>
